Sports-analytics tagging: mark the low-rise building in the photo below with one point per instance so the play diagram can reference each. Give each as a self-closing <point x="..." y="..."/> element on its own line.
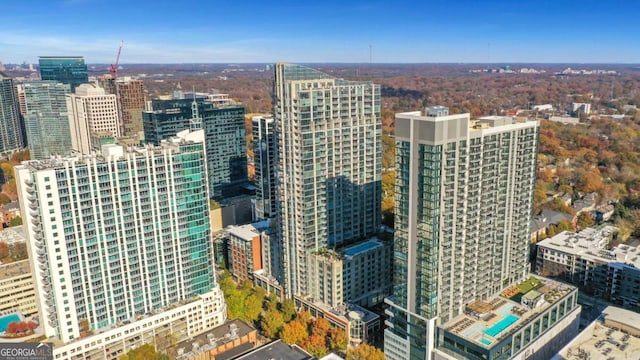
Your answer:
<point x="277" y="350"/>
<point x="244" y="247"/>
<point x="616" y="335"/>
<point x="17" y="291"/>
<point x="587" y="260"/>
<point x="176" y="323"/>
<point x="223" y="342"/>
<point x="531" y="320"/>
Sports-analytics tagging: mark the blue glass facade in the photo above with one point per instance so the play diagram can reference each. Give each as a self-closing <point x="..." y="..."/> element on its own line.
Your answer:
<point x="70" y="70"/>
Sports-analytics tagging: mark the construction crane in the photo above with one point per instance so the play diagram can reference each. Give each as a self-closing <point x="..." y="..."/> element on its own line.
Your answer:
<point x="113" y="69"/>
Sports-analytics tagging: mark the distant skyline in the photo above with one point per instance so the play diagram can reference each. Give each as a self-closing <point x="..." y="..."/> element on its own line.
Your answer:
<point x="463" y="31"/>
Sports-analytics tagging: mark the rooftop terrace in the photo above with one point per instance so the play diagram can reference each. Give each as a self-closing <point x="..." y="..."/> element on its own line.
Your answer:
<point x="14" y="269"/>
<point x="486" y="322"/>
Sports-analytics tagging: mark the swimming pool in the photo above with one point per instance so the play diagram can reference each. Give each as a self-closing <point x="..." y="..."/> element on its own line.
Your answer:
<point x="485" y="341"/>
<point x="5" y="320"/>
<point x="501" y="325"/>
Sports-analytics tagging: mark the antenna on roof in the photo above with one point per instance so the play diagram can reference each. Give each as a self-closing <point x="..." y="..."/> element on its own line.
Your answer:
<point x="196" y="121"/>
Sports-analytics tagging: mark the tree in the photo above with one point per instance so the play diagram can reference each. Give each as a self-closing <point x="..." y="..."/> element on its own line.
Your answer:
<point x="320" y="327"/>
<point x="294" y="332"/>
<point x="288" y="308"/>
<point x="18" y="251"/>
<point x="252" y="307"/>
<point x="590" y="181"/>
<point x="144" y="352"/>
<point x="4" y="199"/>
<point x="564" y="225"/>
<point x="585" y="220"/>
<point x="316" y="345"/>
<point x="364" y="352"/>
<point x="271" y="323"/>
<point x="15" y="221"/>
<point x="4" y="250"/>
<point x="338" y="340"/>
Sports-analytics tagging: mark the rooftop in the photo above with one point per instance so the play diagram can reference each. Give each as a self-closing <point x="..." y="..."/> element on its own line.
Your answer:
<point x="487" y="322"/>
<point x="14" y="269"/>
<point x="598" y="341"/>
<point x="623" y="316"/>
<point x="277" y="350"/>
<point x="593" y="244"/>
<point x="245" y="232"/>
<point x="362" y="247"/>
<point x="13" y="234"/>
<point x="225" y="333"/>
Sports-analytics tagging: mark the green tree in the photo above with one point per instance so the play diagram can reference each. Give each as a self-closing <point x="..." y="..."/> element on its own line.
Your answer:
<point x="564" y="225"/>
<point x="288" y="308"/>
<point x="271" y="323"/>
<point x="364" y="352"/>
<point x="144" y="352"/>
<point x="15" y="221"/>
<point x="252" y="307"/>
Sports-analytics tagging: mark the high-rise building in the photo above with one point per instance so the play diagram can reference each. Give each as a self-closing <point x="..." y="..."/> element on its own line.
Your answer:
<point x="264" y="158"/>
<point x="464" y="193"/>
<point x="69" y="70"/>
<point x="329" y="165"/>
<point x="225" y="138"/>
<point x="131" y="101"/>
<point x="46" y="120"/>
<point x="121" y="241"/>
<point x="93" y="115"/>
<point x="10" y="129"/>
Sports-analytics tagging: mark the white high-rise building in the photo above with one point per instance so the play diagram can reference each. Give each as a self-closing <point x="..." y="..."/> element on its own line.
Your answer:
<point x="121" y="237"/>
<point x="329" y="165"/>
<point x="93" y="114"/>
<point x="464" y="192"/>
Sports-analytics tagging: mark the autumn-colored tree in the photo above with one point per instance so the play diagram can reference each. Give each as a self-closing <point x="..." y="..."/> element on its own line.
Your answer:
<point x="304" y="317"/>
<point x="272" y="322"/>
<point x="320" y="327"/>
<point x="585" y="220"/>
<point x="4" y="250"/>
<point x="337" y="340"/>
<point x="9" y="187"/>
<point x="316" y="345"/>
<point x="590" y="181"/>
<point x="294" y="332"/>
<point x="12" y="327"/>
<point x="364" y="352"/>
<point x="4" y="199"/>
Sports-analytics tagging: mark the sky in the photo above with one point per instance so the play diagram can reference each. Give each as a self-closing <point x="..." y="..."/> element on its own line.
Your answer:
<point x="390" y="31"/>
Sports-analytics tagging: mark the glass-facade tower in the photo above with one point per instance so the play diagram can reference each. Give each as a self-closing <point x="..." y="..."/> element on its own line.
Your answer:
<point x="70" y="70"/>
<point x="329" y="165"/>
<point x="10" y="129"/>
<point x="46" y="120"/>
<point x="264" y="158"/>
<point x="117" y="235"/>
<point x="225" y="138"/>
<point x="464" y="192"/>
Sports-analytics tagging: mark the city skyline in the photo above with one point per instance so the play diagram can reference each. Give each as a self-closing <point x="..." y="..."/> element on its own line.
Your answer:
<point x="358" y="32"/>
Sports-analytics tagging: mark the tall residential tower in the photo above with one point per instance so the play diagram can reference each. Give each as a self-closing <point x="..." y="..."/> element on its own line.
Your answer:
<point x="46" y="120"/>
<point x="265" y="160"/>
<point x="329" y="165"/>
<point x="464" y="193"/>
<point x="10" y="129"/>
<point x="122" y="237"/>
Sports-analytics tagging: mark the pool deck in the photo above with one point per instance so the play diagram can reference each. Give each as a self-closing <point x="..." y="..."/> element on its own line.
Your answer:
<point x="488" y="322"/>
